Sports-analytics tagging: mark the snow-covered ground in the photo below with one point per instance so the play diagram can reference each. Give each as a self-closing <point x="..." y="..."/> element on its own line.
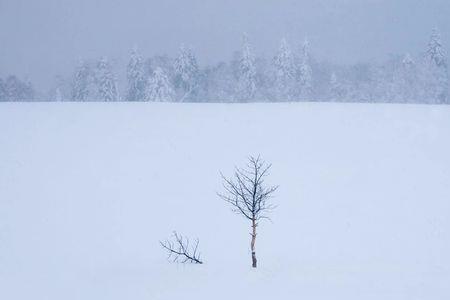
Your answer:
<point x="88" y="190"/>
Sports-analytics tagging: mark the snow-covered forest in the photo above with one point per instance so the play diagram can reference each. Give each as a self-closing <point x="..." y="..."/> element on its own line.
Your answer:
<point x="291" y="74"/>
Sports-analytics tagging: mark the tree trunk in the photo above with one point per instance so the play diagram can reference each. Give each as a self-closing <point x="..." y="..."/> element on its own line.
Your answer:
<point x="253" y="243"/>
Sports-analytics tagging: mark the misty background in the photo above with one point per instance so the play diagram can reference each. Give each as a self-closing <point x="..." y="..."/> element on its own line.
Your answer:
<point x="44" y="41"/>
<point x="41" y="39"/>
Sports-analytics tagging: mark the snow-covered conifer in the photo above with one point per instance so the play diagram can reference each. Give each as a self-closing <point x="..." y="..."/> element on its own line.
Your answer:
<point x="159" y="88"/>
<point x="135" y="76"/>
<point x="2" y="90"/>
<point x="247" y="72"/>
<point x="336" y="89"/>
<point x="186" y="72"/>
<point x="81" y="80"/>
<point x="435" y="73"/>
<point x="404" y="88"/>
<point x="407" y="60"/>
<point x="305" y="73"/>
<point x="18" y="90"/>
<point x="106" y="82"/>
<point x="435" y="52"/>
<point x="284" y="72"/>
<point x="13" y="88"/>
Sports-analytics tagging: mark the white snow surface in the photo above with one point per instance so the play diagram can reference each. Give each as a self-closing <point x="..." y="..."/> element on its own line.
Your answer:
<point x="87" y="190"/>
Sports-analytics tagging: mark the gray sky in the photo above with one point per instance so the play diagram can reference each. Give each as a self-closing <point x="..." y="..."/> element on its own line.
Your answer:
<point x="43" y="38"/>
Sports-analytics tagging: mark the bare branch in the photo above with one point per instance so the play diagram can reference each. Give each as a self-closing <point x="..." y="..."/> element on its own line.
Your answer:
<point x="179" y="250"/>
<point x="246" y="192"/>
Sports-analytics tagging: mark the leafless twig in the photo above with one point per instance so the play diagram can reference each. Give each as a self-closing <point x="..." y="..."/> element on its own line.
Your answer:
<point x="180" y="249"/>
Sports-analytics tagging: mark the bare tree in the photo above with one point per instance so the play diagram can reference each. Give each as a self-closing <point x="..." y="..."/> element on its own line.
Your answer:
<point x="249" y="195"/>
<point x="181" y="251"/>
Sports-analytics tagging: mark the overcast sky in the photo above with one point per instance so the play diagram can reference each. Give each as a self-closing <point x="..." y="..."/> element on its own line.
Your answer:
<point x="43" y="38"/>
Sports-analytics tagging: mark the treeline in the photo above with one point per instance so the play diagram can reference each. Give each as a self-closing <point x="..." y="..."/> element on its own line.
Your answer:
<point x="291" y="75"/>
<point x="14" y="89"/>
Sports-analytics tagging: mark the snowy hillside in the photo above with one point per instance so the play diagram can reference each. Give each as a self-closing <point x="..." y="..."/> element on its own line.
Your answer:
<point x="88" y="190"/>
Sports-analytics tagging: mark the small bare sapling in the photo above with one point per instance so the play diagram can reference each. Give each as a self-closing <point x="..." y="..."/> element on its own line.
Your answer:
<point x="249" y="195"/>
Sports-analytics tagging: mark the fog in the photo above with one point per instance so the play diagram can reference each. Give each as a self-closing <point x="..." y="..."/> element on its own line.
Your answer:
<point x="41" y="39"/>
